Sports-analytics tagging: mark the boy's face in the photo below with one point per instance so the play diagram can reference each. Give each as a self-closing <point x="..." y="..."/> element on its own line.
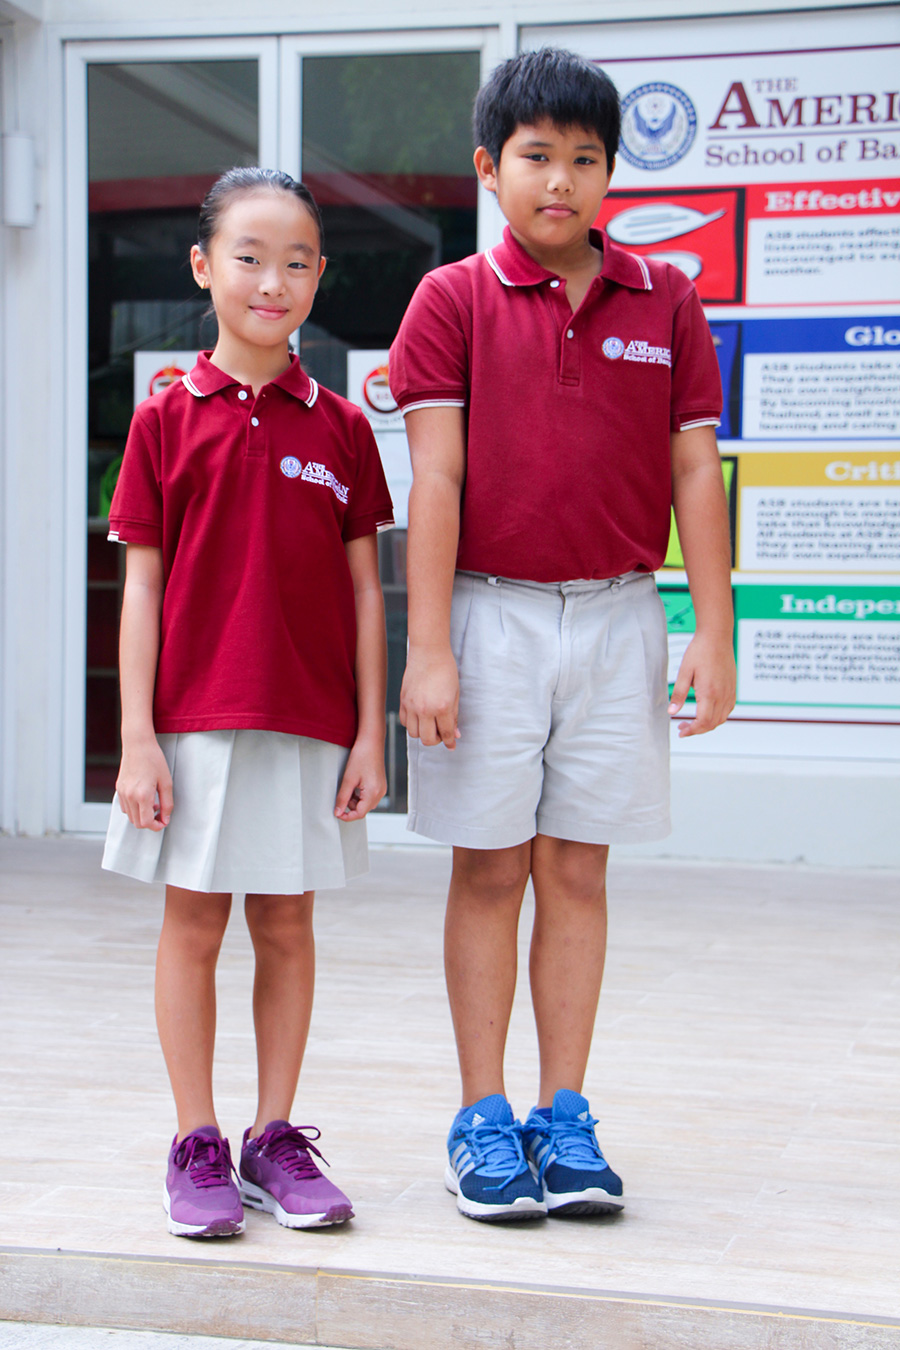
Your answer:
<point x="549" y="184"/>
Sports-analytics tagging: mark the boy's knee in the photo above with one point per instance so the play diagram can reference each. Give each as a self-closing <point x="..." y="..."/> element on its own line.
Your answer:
<point x="575" y="868"/>
<point x="492" y="874"/>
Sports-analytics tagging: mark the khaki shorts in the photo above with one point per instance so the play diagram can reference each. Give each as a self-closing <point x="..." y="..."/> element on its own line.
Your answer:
<point x="562" y="715"/>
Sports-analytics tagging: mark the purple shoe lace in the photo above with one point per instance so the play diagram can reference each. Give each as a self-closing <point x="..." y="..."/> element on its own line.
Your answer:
<point x="206" y="1158"/>
<point x="289" y="1148"/>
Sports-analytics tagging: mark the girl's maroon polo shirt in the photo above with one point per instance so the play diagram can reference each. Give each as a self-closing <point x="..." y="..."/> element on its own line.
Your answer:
<point x="252" y="501"/>
<point x="568" y="469"/>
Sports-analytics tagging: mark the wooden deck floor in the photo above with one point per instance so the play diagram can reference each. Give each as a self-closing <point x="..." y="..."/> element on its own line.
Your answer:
<point x="745" y="1072"/>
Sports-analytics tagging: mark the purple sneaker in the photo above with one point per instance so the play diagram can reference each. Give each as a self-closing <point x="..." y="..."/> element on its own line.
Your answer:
<point x="278" y="1175"/>
<point x="200" y="1196"/>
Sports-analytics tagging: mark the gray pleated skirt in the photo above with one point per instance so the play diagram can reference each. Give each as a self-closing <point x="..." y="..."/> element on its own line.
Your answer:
<point x="253" y="813"/>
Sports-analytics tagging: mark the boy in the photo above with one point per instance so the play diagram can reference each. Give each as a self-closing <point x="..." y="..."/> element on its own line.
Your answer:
<point x="560" y="394"/>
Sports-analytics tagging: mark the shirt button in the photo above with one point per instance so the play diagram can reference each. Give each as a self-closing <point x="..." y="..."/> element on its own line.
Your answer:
<point x="554" y="284"/>
<point x="254" y="421"/>
<point x="242" y="394"/>
<point x="570" y="333"/>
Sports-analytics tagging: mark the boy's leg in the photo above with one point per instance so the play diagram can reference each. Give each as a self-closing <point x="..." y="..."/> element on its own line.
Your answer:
<point x="193" y="927"/>
<point x="480" y="951"/>
<point x="568" y="950"/>
<point x="281" y="928"/>
<point x="487" y="1170"/>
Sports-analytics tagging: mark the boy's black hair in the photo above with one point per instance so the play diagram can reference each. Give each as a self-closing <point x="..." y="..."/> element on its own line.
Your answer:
<point x="549" y="84"/>
<point x="250" y="179"/>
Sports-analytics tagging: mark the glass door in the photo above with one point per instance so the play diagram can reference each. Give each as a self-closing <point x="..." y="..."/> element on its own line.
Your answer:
<point x="150" y="128"/>
<point x="380" y="130"/>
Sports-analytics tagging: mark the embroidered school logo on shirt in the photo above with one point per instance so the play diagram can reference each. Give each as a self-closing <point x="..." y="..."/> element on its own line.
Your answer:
<point x="651" y="356"/>
<point x="317" y="473"/>
<point x="613" y="347"/>
<point x="290" y="466"/>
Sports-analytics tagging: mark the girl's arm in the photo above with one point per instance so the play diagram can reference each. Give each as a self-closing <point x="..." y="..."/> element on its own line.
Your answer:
<point x="701" y="514"/>
<point x="144" y="785"/>
<point x="364" y="783"/>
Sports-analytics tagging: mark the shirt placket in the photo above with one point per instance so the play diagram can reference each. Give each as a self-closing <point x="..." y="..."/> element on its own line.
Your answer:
<point x="256" y="424"/>
<point x="569" y="328"/>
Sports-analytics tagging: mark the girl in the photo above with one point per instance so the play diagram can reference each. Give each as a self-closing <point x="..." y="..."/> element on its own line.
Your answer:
<point x="252" y="655"/>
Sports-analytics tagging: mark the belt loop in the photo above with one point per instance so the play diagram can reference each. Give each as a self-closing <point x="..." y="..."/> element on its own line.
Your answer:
<point x="493" y="581"/>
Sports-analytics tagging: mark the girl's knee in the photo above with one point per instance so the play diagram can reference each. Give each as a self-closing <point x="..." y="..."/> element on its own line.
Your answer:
<point x="280" y="921"/>
<point x="196" y="920"/>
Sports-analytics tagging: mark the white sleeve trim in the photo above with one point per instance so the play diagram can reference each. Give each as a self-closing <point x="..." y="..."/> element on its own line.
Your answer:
<point x="704" y="422"/>
<point x="113" y="537"/>
<point x="384" y="525"/>
<point x="434" y="403"/>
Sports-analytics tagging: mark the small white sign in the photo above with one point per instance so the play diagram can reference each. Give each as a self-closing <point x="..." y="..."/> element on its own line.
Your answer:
<point x="368" y="388"/>
<point x="153" y="371"/>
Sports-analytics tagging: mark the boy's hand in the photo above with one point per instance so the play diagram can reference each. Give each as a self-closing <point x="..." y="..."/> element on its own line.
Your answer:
<point x="429" y="698"/>
<point x="708" y="665"/>
<point x="364" y="783"/>
<point x="144" y="785"/>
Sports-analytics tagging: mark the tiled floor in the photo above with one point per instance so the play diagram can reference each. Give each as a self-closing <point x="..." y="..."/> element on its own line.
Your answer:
<point x="40" y="1336"/>
<point x="744" y="1070"/>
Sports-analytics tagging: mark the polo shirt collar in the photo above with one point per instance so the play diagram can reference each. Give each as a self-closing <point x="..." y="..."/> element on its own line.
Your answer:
<point x="206" y="379"/>
<point x="515" y="267"/>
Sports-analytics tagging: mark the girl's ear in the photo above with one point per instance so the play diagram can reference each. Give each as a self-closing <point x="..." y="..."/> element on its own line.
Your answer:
<point x="484" y="167"/>
<point x="322" y="261"/>
<point x="200" y="267"/>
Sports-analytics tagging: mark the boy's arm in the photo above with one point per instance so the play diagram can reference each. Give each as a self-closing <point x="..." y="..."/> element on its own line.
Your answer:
<point x="701" y="514"/>
<point x="363" y="784"/>
<point x="429" y="698"/>
<point x="144" y="785"/>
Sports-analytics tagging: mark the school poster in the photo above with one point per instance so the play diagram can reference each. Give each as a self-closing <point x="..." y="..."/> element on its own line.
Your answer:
<point x="771" y="177"/>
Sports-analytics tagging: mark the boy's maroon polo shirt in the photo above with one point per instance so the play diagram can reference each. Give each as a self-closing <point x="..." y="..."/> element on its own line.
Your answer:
<point x="252" y="501"/>
<point x="568" y="470"/>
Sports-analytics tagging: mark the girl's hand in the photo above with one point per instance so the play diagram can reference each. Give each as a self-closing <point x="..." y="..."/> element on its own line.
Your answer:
<point x="363" y="784"/>
<point x="144" y="786"/>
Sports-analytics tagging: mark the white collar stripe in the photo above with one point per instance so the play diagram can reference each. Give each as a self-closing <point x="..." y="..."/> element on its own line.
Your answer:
<point x="313" y="393"/>
<point x="645" y="271"/>
<point x="191" y="387"/>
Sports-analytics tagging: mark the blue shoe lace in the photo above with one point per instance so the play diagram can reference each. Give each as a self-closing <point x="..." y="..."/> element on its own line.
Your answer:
<point x="498" y="1148"/>
<point x="206" y="1159"/>
<point x="573" y="1143"/>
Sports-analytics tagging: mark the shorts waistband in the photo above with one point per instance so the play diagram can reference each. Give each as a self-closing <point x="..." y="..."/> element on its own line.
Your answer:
<point x="561" y="587"/>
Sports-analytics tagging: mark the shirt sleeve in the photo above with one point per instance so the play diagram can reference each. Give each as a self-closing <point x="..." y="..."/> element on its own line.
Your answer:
<point x="428" y="365"/>
<point x="696" y="382"/>
<point x="135" y="514"/>
<point x="370" y="509"/>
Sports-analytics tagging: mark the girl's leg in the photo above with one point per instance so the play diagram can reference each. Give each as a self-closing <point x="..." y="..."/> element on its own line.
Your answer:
<point x="281" y="928"/>
<point x="480" y="957"/>
<point x="568" y="950"/>
<point x="193" y="927"/>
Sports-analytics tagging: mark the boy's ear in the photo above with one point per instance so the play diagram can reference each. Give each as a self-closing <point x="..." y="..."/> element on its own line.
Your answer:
<point x="484" y="167"/>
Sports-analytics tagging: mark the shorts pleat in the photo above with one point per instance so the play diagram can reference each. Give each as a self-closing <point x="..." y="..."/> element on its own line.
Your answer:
<point x="254" y="812"/>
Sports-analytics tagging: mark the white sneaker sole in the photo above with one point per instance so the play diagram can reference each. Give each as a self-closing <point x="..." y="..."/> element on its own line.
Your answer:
<point x="523" y="1207"/>
<point x="216" y="1228"/>
<point x="593" y="1200"/>
<point x="254" y="1197"/>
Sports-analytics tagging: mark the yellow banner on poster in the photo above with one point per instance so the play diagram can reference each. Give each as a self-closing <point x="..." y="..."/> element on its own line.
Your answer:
<point x="811" y="468"/>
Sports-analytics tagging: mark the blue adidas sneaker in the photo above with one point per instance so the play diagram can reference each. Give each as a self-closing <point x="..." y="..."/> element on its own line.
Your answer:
<point x="487" y="1171"/>
<point x="561" y="1145"/>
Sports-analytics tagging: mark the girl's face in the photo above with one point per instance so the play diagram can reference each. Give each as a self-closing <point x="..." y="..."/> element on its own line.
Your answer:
<point x="262" y="267"/>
